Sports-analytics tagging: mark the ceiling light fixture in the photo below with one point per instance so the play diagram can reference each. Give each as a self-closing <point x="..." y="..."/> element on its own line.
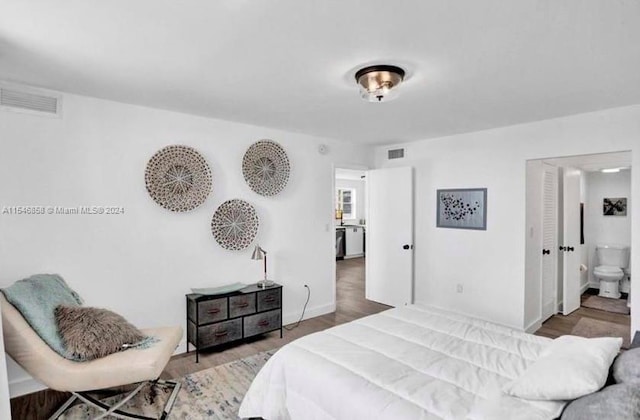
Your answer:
<point x="610" y="170"/>
<point x="379" y="83"/>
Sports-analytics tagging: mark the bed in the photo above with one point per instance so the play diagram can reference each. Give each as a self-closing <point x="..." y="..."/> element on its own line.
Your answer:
<point x="414" y="362"/>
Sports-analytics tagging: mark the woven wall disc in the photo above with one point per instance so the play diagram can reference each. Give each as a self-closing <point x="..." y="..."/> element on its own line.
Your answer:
<point x="178" y="178"/>
<point x="235" y="224"/>
<point x="265" y="167"/>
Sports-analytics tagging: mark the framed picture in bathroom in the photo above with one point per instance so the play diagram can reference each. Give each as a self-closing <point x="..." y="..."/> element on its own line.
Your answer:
<point x="462" y="208"/>
<point x="614" y="206"/>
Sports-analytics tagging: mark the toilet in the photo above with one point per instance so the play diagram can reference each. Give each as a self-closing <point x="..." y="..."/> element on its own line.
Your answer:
<point x="612" y="260"/>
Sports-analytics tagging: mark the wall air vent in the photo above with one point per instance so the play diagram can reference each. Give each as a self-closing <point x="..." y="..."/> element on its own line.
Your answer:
<point x="395" y="153"/>
<point x="30" y="100"/>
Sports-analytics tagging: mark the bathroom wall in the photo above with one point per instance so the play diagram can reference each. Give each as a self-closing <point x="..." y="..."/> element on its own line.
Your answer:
<point x="600" y="229"/>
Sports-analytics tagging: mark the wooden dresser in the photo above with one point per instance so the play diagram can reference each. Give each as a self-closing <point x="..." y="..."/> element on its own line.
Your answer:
<point x="213" y="320"/>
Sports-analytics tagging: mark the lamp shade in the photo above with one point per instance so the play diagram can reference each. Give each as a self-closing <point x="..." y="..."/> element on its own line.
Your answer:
<point x="258" y="253"/>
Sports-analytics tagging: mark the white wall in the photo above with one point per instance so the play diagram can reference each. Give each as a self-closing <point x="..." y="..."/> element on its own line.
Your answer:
<point x="359" y="187"/>
<point x="142" y="263"/>
<point x="600" y="229"/>
<point x="5" y="405"/>
<point x="491" y="263"/>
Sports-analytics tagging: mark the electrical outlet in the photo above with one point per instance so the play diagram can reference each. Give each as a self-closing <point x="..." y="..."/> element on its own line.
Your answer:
<point x="459" y="288"/>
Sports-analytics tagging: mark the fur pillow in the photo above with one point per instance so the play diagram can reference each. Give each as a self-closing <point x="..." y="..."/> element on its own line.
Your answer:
<point x="626" y="368"/>
<point x="92" y="333"/>
<point x="615" y="402"/>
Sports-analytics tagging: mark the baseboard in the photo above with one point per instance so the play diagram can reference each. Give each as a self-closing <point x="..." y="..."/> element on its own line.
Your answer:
<point x="24" y="386"/>
<point x="348" y="257"/>
<point x="293" y="317"/>
<point x="585" y="287"/>
<point x="533" y="327"/>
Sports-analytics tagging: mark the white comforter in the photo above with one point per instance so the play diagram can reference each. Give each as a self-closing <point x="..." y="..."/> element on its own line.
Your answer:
<point x="415" y="362"/>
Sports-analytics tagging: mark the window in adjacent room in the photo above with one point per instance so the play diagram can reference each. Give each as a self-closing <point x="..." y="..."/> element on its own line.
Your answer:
<point x="346" y="201"/>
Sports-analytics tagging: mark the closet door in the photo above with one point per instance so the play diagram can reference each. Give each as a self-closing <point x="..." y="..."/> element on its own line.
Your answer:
<point x="571" y="240"/>
<point x="549" y="250"/>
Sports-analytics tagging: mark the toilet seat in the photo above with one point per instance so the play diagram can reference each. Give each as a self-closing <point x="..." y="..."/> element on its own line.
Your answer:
<point x="608" y="270"/>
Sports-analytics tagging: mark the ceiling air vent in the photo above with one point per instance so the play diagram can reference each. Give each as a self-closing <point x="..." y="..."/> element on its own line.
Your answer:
<point x="30" y="100"/>
<point x="395" y="153"/>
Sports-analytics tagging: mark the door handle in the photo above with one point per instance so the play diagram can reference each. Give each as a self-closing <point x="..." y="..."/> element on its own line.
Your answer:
<point x="570" y="248"/>
<point x="546" y="251"/>
<point x="406" y="246"/>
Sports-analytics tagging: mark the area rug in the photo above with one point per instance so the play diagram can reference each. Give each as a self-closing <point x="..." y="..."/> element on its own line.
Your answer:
<point x="618" y="306"/>
<point x="591" y="328"/>
<point x="214" y="393"/>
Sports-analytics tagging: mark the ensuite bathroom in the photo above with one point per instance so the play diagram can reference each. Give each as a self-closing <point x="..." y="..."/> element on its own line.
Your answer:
<point x="606" y="237"/>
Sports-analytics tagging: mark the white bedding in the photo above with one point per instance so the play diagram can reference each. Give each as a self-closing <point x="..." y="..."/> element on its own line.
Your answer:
<point x="415" y="362"/>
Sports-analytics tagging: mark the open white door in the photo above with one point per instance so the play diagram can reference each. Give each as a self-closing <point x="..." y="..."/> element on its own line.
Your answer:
<point x="571" y="241"/>
<point x="549" y="261"/>
<point x="389" y="240"/>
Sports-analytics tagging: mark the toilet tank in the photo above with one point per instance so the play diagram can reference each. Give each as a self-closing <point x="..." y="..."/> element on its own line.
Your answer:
<point x="617" y="256"/>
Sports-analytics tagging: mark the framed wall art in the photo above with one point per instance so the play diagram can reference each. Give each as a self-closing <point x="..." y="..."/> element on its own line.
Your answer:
<point x="462" y="208"/>
<point x="614" y="206"/>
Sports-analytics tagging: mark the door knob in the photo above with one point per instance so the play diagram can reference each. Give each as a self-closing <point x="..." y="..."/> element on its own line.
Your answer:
<point x="546" y="251"/>
<point x="570" y="248"/>
<point x="405" y="246"/>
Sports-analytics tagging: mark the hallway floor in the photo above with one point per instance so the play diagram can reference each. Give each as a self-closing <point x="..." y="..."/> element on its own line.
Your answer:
<point x="607" y="323"/>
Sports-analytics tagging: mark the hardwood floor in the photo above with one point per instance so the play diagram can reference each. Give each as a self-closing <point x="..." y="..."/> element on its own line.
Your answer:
<point x="559" y="325"/>
<point x="350" y="305"/>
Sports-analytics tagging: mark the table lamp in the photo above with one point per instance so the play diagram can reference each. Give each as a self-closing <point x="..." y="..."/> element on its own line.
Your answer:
<point x="261" y="254"/>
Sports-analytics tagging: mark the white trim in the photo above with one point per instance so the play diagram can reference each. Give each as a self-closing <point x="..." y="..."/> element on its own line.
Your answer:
<point x="585" y="287"/>
<point x="293" y="317"/>
<point x="533" y="327"/>
<point x="24" y="386"/>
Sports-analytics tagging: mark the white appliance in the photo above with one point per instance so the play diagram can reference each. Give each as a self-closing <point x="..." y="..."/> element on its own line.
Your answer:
<point x="612" y="260"/>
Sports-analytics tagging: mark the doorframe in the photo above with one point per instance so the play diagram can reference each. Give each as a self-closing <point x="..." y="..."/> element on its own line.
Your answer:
<point x="535" y="324"/>
<point x="332" y="229"/>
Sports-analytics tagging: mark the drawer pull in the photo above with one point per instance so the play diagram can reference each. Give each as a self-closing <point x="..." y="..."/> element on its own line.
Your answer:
<point x="213" y="311"/>
<point x="241" y="304"/>
<point x="221" y="333"/>
<point x="263" y="323"/>
<point x="269" y="299"/>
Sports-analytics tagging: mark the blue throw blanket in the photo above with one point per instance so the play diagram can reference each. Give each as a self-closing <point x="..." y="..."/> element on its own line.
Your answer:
<point x="36" y="298"/>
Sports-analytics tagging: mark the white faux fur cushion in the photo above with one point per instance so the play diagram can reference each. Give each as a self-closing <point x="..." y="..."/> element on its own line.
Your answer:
<point x="92" y="333"/>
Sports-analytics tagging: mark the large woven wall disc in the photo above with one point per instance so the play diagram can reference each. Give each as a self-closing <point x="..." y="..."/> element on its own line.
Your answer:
<point x="235" y="224"/>
<point x="265" y="167"/>
<point x="178" y="178"/>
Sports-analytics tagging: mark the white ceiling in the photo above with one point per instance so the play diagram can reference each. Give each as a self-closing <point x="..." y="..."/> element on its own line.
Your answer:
<point x="289" y="64"/>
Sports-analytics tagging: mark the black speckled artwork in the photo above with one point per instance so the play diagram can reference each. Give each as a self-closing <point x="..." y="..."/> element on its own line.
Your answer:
<point x="462" y="208"/>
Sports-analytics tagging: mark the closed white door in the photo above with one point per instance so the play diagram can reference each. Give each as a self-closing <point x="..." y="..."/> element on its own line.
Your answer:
<point x="389" y="239"/>
<point x="571" y="240"/>
<point x="549" y="250"/>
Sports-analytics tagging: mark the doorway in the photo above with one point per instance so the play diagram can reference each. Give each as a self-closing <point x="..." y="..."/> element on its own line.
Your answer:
<point x="350" y="208"/>
<point x="374" y="232"/>
<point x="567" y="227"/>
